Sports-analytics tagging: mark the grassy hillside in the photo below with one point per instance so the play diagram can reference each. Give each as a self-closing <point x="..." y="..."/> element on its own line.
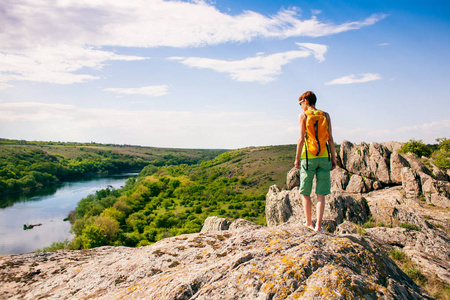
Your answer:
<point x="33" y="165"/>
<point x="172" y="200"/>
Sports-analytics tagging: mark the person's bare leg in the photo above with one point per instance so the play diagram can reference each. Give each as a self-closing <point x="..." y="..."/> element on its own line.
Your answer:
<point x="307" y="209"/>
<point x="320" y="207"/>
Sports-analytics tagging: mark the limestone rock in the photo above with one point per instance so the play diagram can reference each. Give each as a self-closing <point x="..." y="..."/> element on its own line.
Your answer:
<point x="377" y="185"/>
<point x="416" y="164"/>
<point x="429" y="249"/>
<point x="435" y="192"/>
<point x="398" y="162"/>
<point x="293" y="178"/>
<point x="430" y="265"/>
<point x="240" y="224"/>
<point x="379" y="162"/>
<point x="356" y="185"/>
<point x="392" y="146"/>
<point x="347" y="228"/>
<point x="339" y="179"/>
<point x="440" y="174"/>
<point x="355" y="159"/>
<point x="340" y="207"/>
<point x="390" y="208"/>
<point x="411" y="183"/>
<point x="214" y="223"/>
<point x="282" y="205"/>
<point x="283" y="262"/>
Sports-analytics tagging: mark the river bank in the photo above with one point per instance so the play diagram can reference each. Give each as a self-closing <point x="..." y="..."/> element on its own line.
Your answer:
<point x="49" y="209"/>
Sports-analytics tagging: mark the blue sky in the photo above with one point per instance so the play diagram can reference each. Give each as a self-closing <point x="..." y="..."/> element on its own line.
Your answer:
<point x="222" y="74"/>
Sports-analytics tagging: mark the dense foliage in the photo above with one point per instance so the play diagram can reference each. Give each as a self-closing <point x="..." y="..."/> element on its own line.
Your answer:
<point x="33" y="165"/>
<point x="164" y="202"/>
<point x="442" y="156"/>
<point x="439" y="153"/>
<point x="416" y="147"/>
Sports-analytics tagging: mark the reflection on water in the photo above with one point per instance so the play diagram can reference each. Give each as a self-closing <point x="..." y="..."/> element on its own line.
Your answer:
<point x="9" y="200"/>
<point x="49" y="208"/>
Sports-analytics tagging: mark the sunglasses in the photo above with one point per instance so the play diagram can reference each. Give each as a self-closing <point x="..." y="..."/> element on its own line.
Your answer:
<point x="300" y="103"/>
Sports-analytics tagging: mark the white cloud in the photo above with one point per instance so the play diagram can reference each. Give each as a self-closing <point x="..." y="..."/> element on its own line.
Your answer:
<point x="437" y="129"/>
<point x="383" y="44"/>
<point x="350" y="79"/>
<point x="201" y="129"/>
<point x="53" y="40"/>
<point x="428" y="132"/>
<point x="259" y="68"/>
<point x="152" y="91"/>
<point x="56" y="65"/>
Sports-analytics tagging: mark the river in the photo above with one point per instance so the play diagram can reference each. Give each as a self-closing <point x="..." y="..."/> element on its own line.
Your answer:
<point x="49" y="209"/>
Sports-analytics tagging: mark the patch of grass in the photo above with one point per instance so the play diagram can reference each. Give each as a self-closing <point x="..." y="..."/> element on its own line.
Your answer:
<point x="437" y="288"/>
<point x="55" y="246"/>
<point x="415" y="274"/>
<point x="361" y="231"/>
<point x="410" y="226"/>
<point x="370" y="223"/>
<point x="397" y="255"/>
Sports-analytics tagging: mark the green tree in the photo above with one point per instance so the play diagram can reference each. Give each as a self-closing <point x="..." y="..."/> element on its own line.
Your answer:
<point x="93" y="236"/>
<point x="416" y="147"/>
<point x="442" y="156"/>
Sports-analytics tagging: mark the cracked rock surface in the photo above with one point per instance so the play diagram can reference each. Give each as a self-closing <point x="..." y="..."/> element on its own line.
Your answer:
<point x="284" y="262"/>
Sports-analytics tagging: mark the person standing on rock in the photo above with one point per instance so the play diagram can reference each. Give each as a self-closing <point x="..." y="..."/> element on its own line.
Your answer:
<point x="315" y="149"/>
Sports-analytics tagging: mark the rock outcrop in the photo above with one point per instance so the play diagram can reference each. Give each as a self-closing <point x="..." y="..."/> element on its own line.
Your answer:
<point x="405" y="198"/>
<point x="287" y="261"/>
<point x="285" y="206"/>
<point x="372" y="167"/>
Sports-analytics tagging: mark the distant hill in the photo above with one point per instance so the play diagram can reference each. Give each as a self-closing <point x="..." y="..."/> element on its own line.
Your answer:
<point x="28" y="165"/>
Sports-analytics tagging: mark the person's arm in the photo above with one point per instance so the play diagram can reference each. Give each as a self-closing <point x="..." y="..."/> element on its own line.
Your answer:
<point x="331" y="143"/>
<point x="301" y="139"/>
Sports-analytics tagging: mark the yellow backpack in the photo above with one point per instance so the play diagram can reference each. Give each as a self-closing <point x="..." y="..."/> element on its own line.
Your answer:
<point x="316" y="133"/>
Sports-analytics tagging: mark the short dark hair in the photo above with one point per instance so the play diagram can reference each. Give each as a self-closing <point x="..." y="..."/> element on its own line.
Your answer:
<point x="310" y="96"/>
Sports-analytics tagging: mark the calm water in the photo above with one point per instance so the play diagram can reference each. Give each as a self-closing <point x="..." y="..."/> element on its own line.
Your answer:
<point x="49" y="209"/>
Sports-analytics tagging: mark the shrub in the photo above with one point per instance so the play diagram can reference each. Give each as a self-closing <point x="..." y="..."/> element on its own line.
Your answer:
<point x="93" y="236"/>
<point x="442" y="156"/>
<point x="416" y="147"/>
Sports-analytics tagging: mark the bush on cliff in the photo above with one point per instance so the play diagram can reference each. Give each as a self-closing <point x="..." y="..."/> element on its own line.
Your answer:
<point x="442" y="156"/>
<point x="416" y="147"/>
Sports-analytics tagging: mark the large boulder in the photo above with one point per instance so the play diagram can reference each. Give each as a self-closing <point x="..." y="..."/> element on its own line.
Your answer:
<point x="435" y="192"/>
<point x="281" y="206"/>
<point x="214" y="223"/>
<point x="392" y="146"/>
<point x="398" y="162"/>
<point x="355" y="158"/>
<point x="241" y="224"/>
<point x="416" y="164"/>
<point x="293" y="178"/>
<point x="379" y="162"/>
<point x="286" y="262"/>
<point x="339" y="179"/>
<point x="357" y="185"/>
<point x="411" y="183"/>
<point x="368" y="161"/>
<point x="340" y="207"/>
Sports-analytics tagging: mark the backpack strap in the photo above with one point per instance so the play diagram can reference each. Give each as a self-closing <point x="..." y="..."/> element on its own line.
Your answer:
<point x="327" y="144"/>
<point x="306" y="143"/>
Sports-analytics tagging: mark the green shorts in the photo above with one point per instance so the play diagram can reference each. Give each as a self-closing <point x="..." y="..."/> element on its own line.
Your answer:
<point x="319" y="167"/>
